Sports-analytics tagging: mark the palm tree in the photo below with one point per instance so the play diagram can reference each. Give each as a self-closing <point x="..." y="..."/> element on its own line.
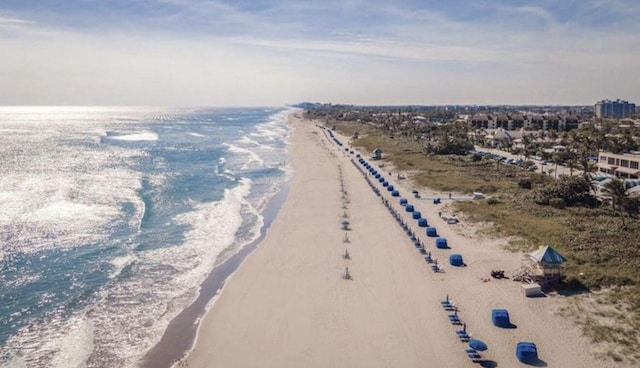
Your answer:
<point x="618" y="193"/>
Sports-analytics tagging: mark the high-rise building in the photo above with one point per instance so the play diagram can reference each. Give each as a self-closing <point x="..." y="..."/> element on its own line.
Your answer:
<point x="618" y="109"/>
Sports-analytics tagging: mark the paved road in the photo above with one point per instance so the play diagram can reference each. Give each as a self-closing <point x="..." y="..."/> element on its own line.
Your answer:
<point x="544" y="168"/>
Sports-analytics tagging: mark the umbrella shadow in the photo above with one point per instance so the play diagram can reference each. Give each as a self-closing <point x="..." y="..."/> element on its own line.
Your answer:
<point x="488" y="364"/>
<point x="539" y="363"/>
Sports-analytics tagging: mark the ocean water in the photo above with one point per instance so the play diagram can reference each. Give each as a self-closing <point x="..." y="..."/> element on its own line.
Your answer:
<point x="110" y="218"/>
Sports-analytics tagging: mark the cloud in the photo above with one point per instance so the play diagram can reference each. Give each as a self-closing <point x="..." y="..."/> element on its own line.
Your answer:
<point x="199" y="52"/>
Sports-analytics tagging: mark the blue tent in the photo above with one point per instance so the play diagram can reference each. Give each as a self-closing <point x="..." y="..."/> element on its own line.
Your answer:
<point x="500" y="318"/>
<point x="390" y="188"/>
<point x="395" y="193"/>
<point x="416" y="215"/>
<point x="441" y="243"/>
<point x="422" y="222"/>
<point x="409" y="208"/>
<point x="381" y="179"/>
<point x="456" y="260"/>
<point x="432" y="232"/>
<point x="403" y="201"/>
<point x="385" y="183"/>
<point x="527" y="352"/>
<point x="376" y="175"/>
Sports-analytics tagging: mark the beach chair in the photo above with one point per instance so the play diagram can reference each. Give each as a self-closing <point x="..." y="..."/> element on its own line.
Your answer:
<point x="428" y="259"/>
<point x="435" y="268"/>
<point x="473" y="355"/>
<point x="454" y="319"/>
<point x="422" y="250"/>
<point x="463" y="336"/>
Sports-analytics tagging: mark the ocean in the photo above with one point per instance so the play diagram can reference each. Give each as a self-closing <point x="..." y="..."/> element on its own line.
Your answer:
<point x="111" y="218"/>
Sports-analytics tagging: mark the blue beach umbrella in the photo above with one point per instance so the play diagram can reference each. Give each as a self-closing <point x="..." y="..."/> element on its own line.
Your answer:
<point x="477" y="345"/>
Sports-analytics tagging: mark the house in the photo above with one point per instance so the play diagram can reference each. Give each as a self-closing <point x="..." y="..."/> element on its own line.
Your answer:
<point x="499" y="139"/>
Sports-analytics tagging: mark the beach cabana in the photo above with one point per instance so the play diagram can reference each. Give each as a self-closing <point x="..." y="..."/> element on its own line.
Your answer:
<point x="395" y="193"/>
<point x="403" y="201"/>
<point x="527" y="352"/>
<point x="441" y="243"/>
<point x="432" y="232"/>
<point x="377" y="175"/>
<point x="500" y="318"/>
<point x="416" y="215"/>
<point x="422" y="222"/>
<point x="385" y="183"/>
<point x="456" y="260"/>
<point x="390" y="188"/>
<point x="408" y="208"/>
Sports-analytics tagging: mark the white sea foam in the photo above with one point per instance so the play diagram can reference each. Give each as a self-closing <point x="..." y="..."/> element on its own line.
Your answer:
<point x="140" y="136"/>
<point x="120" y="263"/>
<point x="196" y="135"/>
<point x="74" y="347"/>
<point x="245" y="140"/>
<point x="252" y="156"/>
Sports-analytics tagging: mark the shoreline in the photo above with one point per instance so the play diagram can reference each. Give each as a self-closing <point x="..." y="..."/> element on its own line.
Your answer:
<point x="182" y="332"/>
<point x="289" y="306"/>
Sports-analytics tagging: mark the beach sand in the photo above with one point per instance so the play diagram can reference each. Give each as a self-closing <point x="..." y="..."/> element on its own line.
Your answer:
<point x="288" y="306"/>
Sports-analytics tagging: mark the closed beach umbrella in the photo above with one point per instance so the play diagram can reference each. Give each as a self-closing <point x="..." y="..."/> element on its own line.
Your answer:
<point x="477" y="345"/>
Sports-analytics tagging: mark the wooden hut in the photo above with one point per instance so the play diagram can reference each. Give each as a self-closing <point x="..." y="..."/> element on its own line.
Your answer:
<point x="377" y="154"/>
<point x="546" y="266"/>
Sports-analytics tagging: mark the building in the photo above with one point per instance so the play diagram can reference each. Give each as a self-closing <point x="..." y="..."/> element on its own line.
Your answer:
<point x="622" y="165"/>
<point x="515" y="122"/>
<point x="377" y="154"/>
<point x="618" y="109"/>
<point x="542" y="267"/>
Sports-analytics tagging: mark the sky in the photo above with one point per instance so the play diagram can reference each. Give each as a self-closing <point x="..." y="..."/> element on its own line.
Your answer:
<point x="272" y="53"/>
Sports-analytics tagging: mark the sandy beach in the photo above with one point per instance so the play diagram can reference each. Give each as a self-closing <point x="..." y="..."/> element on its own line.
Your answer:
<point x="288" y="305"/>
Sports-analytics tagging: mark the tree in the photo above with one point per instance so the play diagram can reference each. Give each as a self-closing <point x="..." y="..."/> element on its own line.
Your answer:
<point x="618" y="193"/>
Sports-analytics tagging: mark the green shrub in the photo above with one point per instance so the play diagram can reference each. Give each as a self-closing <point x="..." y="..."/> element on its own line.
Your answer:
<point x="492" y="201"/>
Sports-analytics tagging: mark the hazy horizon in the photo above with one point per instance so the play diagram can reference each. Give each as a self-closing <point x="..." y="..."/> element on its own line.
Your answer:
<point x="274" y="53"/>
